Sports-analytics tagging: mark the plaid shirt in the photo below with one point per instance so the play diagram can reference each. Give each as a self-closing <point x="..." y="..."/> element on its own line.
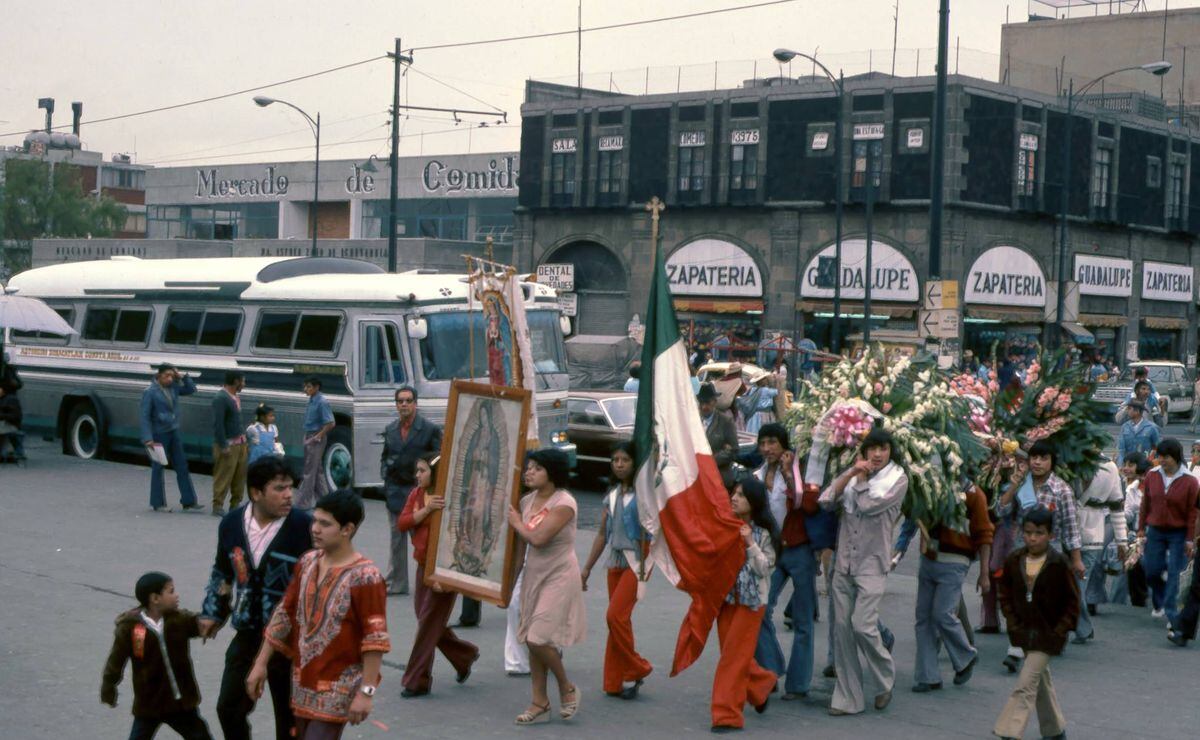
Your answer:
<point x="1058" y="497"/>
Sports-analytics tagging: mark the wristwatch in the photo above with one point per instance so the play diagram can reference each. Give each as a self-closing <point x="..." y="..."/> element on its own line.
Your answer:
<point x="368" y="690"/>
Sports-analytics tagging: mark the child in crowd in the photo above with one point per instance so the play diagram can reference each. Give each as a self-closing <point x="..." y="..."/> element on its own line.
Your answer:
<point x="263" y="435"/>
<point x="1040" y="600"/>
<point x="155" y="638"/>
<point x="10" y="424"/>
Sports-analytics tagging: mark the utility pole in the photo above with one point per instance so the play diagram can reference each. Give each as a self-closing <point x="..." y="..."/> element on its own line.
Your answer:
<point x="938" y="179"/>
<point x="398" y="60"/>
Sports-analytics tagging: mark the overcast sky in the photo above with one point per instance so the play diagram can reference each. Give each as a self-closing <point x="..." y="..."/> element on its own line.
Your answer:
<point x="121" y="56"/>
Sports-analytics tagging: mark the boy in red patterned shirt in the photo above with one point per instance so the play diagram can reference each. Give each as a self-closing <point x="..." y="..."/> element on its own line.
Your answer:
<point x="332" y="623"/>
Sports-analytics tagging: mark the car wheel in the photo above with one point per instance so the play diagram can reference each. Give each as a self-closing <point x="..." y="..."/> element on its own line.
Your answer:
<point x="83" y="436"/>
<point x="338" y="457"/>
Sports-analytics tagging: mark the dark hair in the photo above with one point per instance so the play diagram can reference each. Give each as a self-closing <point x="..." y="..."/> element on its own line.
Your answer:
<point x="555" y="462"/>
<point x="164" y="367"/>
<point x="1143" y="465"/>
<point x="627" y="446"/>
<point x="264" y="470"/>
<point x="1139" y="384"/>
<point x="233" y="376"/>
<point x="755" y="494"/>
<point x="149" y="584"/>
<point x="1039" y="516"/>
<point x="1141" y="372"/>
<point x="635" y="370"/>
<point x="431" y="459"/>
<point x="1043" y="447"/>
<point x="313" y="380"/>
<point x="1170" y="447"/>
<point x="1134" y="459"/>
<point x="343" y="505"/>
<point x="261" y="412"/>
<point x="877" y="437"/>
<point x="776" y="431"/>
<point x="403" y="388"/>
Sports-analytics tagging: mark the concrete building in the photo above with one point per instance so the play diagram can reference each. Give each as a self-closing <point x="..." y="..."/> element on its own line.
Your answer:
<point x="748" y="176"/>
<point x="455" y="197"/>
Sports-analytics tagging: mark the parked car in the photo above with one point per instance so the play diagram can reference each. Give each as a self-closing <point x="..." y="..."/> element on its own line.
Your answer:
<point x="598" y="419"/>
<point x="1170" y="379"/>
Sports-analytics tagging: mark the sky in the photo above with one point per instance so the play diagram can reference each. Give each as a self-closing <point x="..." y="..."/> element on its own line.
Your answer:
<point x="122" y="56"/>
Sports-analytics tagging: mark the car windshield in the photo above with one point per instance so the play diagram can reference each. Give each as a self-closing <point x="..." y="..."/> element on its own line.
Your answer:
<point x="1156" y="373"/>
<point x="621" y="410"/>
<point x="446" y="350"/>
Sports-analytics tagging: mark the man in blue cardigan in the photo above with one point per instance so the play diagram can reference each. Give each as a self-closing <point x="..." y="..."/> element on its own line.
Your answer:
<point x="159" y="421"/>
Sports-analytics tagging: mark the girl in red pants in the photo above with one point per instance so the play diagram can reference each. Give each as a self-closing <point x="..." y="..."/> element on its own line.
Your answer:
<point x="432" y="605"/>
<point x="739" y="680"/>
<point x="622" y="533"/>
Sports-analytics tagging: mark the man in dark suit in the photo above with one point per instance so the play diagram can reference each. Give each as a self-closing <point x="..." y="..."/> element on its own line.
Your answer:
<point x="719" y="428"/>
<point x="229" y="444"/>
<point x="404" y="441"/>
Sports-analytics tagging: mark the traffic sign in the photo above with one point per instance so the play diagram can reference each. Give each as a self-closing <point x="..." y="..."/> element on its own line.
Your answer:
<point x="941" y="323"/>
<point x="560" y="276"/>
<point x="940" y="294"/>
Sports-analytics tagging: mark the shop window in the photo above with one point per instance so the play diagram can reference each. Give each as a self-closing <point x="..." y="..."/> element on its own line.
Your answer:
<point x="608" y="181"/>
<point x="562" y="179"/>
<point x="864" y="152"/>
<point x="1101" y="177"/>
<point x="743" y="167"/>
<point x="691" y="169"/>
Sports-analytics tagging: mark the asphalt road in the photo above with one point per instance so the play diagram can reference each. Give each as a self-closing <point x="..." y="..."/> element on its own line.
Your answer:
<point x="75" y="535"/>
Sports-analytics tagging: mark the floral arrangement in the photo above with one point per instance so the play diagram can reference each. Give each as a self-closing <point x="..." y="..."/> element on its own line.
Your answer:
<point x="928" y="421"/>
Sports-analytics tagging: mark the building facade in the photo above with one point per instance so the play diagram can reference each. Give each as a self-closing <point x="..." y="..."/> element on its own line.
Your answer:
<point x="749" y="232"/>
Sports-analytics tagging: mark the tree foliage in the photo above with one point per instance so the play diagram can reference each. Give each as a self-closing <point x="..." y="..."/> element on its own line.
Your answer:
<point x="38" y="200"/>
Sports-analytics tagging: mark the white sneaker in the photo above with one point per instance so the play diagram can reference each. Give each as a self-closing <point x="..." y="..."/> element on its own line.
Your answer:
<point x="1158" y="613"/>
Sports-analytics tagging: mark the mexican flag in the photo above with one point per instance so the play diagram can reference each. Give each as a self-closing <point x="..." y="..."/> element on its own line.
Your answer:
<point x="682" y="502"/>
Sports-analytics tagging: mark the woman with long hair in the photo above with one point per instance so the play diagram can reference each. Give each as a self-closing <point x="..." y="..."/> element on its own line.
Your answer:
<point x="628" y="571"/>
<point x="552" y="611"/>
<point x="739" y="679"/>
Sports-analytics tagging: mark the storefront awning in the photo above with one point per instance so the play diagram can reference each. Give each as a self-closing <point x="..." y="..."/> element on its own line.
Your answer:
<point x="1077" y="333"/>
<point x="1007" y="314"/>
<point x="1164" y="322"/>
<point x="890" y="310"/>
<point x="717" y="305"/>
<point x="1103" y="320"/>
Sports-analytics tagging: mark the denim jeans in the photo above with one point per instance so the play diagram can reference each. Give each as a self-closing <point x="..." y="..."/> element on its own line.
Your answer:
<point x="939" y="591"/>
<point x="798" y="564"/>
<point x="1164" y="554"/>
<point x="172" y="443"/>
<point x="1090" y="557"/>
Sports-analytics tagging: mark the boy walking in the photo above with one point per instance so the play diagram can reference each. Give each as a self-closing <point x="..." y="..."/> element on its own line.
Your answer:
<point x="155" y="638"/>
<point x="333" y="623"/>
<point x="1040" y="600"/>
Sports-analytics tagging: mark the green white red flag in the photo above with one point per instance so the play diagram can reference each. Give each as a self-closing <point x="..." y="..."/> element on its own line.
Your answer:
<point x="681" y="499"/>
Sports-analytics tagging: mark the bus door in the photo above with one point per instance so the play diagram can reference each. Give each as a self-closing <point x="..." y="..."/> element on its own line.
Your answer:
<point x="381" y="371"/>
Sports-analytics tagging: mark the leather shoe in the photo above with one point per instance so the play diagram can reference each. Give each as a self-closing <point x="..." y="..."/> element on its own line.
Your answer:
<point x="763" y="707"/>
<point x="925" y="688"/>
<point x="883" y="700"/>
<point x="1012" y="663"/>
<point x="961" y="677"/>
<point x="410" y="694"/>
<point x="630" y="692"/>
<point x="462" y="676"/>
<point x="829" y="672"/>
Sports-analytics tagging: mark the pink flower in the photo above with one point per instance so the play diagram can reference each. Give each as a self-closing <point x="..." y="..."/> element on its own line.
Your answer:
<point x="887" y="407"/>
<point x="878" y="389"/>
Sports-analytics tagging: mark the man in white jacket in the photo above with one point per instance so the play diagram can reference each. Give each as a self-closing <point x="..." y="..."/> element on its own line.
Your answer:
<point x="1101" y="514"/>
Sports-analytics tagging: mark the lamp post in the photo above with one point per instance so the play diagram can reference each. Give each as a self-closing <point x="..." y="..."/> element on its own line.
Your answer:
<point x="784" y="56"/>
<point x="1157" y="69"/>
<point x="263" y="101"/>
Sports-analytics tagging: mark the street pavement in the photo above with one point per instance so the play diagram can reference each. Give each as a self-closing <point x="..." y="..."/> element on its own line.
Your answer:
<point x="75" y="535"/>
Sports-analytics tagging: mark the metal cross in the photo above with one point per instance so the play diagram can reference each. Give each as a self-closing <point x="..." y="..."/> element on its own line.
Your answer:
<point x="655" y="207"/>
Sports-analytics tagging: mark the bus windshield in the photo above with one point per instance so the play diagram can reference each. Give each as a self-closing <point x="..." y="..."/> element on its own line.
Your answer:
<point x="446" y="351"/>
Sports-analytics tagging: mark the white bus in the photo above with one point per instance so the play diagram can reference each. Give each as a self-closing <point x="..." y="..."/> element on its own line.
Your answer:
<point x="363" y="331"/>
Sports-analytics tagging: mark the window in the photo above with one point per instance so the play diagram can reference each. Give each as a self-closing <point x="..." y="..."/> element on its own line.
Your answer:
<point x="128" y="325"/>
<point x="275" y="330"/>
<point x="189" y="327"/>
<point x="562" y="176"/>
<point x="112" y="177"/>
<point x="864" y="151"/>
<point x="99" y="323"/>
<point x="381" y="364"/>
<point x="585" y="411"/>
<point x="1026" y="172"/>
<point x="132" y="326"/>
<point x="743" y="167"/>
<point x="67" y="314"/>
<point x="182" y="327"/>
<point x="220" y="329"/>
<point x="1153" y="172"/>
<point x="318" y="333"/>
<point x="446" y="352"/>
<point x="691" y="168"/>
<point x="1175" y="190"/>
<point x="1101" y="177"/>
<point x="609" y="180"/>
<point x="299" y="332"/>
<point x="228" y="221"/>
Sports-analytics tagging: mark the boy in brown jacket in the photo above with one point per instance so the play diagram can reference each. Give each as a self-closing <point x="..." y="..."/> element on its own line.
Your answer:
<point x="1040" y="600"/>
<point x="155" y="638"/>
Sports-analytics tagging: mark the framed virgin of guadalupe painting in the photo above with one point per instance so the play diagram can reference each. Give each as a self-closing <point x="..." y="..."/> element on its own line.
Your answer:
<point x="479" y="476"/>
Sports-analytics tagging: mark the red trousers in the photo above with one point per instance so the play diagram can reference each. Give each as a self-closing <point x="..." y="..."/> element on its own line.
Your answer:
<point x="621" y="660"/>
<point x="739" y="680"/>
<point x="433" y="615"/>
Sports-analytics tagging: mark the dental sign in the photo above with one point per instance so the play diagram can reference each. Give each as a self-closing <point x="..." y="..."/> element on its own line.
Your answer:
<point x="1162" y="281"/>
<point x="712" y="267"/>
<point x="1006" y="276"/>
<point x="892" y="275"/>
<point x="1104" y="276"/>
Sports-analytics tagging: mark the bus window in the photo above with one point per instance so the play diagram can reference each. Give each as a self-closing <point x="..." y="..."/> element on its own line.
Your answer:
<point x="275" y="330"/>
<point x="133" y="326"/>
<point x="220" y="329"/>
<point x="446" y="351"/>
<point x="182" y="327"/>
<point x="393" y="339"/>
<point x="545" y="340"/>
<point x="380" y="355"/>
<point x="318" y="333"/>
<point x="99" y="324"/>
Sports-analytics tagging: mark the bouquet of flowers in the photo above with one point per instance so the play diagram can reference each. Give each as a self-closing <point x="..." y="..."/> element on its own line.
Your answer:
<point x="929" y="423"/>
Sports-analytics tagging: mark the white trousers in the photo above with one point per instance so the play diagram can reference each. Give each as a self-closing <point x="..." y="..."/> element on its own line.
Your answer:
<point x="516" y="655"/>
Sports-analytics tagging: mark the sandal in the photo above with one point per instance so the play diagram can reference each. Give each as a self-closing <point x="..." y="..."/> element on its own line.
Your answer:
<point x="535" y="718"/>
<point x="570" y="708"/>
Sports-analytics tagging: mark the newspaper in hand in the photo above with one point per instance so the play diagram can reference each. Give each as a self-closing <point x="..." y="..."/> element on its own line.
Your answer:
<point x="157" y="453"/>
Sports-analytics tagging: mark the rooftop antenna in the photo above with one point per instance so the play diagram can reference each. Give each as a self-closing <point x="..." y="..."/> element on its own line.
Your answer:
<point x="895" y="36"/>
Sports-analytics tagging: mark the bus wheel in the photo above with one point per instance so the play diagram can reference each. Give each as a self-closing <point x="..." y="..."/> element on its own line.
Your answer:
<point x="83" y="436"/>
<point x="339" y="458"/>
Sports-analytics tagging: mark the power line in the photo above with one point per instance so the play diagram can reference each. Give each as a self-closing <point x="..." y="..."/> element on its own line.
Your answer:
<point x="213" y="98"/>
<point x="455" y="89"/>
<point x="611" y="26"/>
<point x="278" y="135"/>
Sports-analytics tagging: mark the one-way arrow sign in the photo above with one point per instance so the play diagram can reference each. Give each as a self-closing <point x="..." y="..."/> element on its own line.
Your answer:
<point x="942" y="323"/>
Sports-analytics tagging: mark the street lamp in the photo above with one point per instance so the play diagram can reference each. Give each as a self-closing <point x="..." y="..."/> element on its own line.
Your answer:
<point x="1158" y="69"/>
<point x="783" y="56"/>
<point x="263" y="101"/>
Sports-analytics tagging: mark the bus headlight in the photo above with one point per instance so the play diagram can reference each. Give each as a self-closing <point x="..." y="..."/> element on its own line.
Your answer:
<point x="558" y="437"/>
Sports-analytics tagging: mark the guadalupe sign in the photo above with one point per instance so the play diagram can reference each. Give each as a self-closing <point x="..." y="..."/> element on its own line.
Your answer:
<point x="894" y="277"/>
<point x="1006" y="276"/>
<point x="712" y="267"/>
<point x="1104" y="275"/>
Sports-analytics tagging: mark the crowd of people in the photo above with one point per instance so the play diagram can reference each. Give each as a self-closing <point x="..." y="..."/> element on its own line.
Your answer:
<point x="309" y="612"/>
